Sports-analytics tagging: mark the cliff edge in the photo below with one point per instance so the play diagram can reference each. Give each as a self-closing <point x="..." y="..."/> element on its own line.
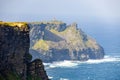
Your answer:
<point x="15" y="60"/>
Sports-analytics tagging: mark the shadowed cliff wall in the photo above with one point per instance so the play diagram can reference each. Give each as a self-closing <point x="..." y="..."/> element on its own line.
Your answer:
<point x="14" y="53"/>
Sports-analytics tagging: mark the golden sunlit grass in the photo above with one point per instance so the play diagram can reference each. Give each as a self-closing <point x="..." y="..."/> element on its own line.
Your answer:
<point x="13" y="24"/>
<point x="16" y="25"/>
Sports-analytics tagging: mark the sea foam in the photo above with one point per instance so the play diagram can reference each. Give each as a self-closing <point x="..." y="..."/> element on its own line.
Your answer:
<point x="74" y="64"/>
<point x="64" y="79"/>
<point x="105" y="59"/>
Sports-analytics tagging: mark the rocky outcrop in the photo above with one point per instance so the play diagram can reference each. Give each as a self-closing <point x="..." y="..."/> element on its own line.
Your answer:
<point x="36" y="70"/>
<point x="15" y="59"/>
<point x="55" y="41"/>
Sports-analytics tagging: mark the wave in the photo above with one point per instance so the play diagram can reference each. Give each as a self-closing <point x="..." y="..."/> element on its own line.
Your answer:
<point x="50" y="77"/>
<point x="105" y="59"/>
<point x="74" y="64"/>
<point x="64" y="79"/>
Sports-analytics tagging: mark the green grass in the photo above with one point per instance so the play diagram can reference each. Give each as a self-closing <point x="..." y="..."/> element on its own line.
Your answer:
<point x="71" y="32"/>
<point x="92" y="44"/>
<point x="10" y="76"/>
<point x="13" y="76"/>
<point x="1" y="77"/>
<point x="64" y="32"/>
<point x="41" y="44"/>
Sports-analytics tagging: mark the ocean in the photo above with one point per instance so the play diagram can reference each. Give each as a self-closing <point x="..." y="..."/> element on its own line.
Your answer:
<point x="104" y="69"/>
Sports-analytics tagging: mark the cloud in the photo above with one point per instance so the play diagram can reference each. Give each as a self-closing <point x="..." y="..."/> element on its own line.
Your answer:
<point x="107" y="10"/>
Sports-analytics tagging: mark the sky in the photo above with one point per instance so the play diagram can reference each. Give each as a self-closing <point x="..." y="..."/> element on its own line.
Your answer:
<point x="98" y="18"/>
<point x="83" y="10"/>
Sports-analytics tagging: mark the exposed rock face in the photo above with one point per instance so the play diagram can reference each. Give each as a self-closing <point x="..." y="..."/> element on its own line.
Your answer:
<point x="14" y="52"/>
<point x="36" y="70"/>
<point x="55" y="41"/>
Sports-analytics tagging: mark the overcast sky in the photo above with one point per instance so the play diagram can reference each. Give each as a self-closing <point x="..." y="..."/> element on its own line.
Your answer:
<point x="28" y="10"/>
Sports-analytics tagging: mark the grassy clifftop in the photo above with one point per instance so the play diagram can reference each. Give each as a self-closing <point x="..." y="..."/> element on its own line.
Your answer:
<point x="21" y="26"/>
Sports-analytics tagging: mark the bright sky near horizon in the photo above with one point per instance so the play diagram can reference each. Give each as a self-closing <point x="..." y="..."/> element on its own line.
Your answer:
<point x="104" y="10"/>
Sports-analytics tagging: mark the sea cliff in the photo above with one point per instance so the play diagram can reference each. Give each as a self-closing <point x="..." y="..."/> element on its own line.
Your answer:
<point x="57" y="41"/>
<point x="15" y="60"/>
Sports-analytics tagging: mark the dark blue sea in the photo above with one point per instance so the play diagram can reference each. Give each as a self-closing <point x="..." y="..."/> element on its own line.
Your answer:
<point x="104" y="69"/>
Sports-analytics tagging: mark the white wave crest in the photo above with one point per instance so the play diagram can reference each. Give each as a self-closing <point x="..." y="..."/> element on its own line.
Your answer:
<point x="74" y="64"/>
<point x="106" y="59"/>
<point x="50" y="77"/>
<point x="63" y="64"/>
<point x="64" y="79"/>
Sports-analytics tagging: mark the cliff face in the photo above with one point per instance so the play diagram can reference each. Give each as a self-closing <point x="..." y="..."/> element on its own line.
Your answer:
<point x="55" y="41"/>
<point x="14" y="53"/>
<point x="36" y="70"/>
